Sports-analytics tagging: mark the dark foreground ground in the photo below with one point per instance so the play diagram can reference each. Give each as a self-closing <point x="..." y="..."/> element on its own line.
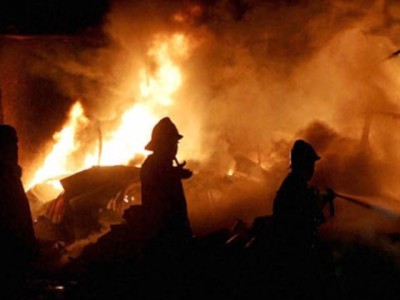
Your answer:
<point x="222" y="265"/>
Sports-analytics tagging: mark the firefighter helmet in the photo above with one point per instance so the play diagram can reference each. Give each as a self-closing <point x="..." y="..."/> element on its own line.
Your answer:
<point x="8" y="135"/>
<point x="164" y="131"/>
<point x="302" y="153"/>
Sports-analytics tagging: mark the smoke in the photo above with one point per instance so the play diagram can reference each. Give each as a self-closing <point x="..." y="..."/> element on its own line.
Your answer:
<point x="313" y="70"/>
<point x="259" y="74"/>
<point x="269" y="78"/>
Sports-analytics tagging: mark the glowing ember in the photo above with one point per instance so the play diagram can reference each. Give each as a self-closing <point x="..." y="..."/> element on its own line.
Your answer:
<point x="119" y="147"/>
<point x="231" y="171"/>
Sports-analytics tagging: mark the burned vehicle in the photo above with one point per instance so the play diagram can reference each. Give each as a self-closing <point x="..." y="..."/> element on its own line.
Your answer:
<point x="92" y="199"/>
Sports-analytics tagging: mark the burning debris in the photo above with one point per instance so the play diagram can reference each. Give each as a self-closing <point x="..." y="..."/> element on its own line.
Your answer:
<point x="241" y="84"/>
<point x="90" y="197"/>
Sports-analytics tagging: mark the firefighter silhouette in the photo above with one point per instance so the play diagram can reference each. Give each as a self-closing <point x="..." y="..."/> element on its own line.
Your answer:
<point x="297" y="213"/>
<point x="163" y="198"/>
<point x="165" y="215"/>
<point x="16" y="228"/>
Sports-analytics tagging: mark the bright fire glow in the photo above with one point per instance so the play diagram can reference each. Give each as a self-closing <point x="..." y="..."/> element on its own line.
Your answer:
<point x="230" y="172"/>
<point x="159" y="87"/>
<point x="129" y="139"/>
<point x="120" y="146"/>
<point x="56" y="163"/>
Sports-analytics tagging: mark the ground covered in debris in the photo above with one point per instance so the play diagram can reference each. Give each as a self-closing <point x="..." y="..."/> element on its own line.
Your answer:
<point x="229" y="263"/>
<point x="94" y="250"/>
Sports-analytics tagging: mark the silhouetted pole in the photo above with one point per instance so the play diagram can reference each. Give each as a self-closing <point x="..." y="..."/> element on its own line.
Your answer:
<point x="100" y="137"/>
<point x="1" y="109"/>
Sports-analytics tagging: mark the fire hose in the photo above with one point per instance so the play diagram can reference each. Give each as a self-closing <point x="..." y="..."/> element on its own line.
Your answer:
<point x="361" y="203"/>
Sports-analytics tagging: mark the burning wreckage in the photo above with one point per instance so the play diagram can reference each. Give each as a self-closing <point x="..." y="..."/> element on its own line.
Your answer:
<point x="89" y="196"/>
<point x="97" y="197"/>
<point x="101" y="199"/>
<point x="101" y="196"/>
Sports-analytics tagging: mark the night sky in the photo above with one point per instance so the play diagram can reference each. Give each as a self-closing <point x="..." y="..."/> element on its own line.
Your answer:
<point x="49" y="16"/>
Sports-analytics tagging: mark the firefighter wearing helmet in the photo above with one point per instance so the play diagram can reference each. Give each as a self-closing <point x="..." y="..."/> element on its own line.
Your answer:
<point x="163" y="198"/>
<point x="297" y="213"/>
<point x="16" y="227"/>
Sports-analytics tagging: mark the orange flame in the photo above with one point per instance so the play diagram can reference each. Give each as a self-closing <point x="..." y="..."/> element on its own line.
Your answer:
<point x="156" y="94"/>
<point x="56" y="163"/>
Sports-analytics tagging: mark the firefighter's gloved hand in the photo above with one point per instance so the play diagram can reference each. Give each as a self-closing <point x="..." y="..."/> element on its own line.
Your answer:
<point x="183" y="172"/>
<point x="329" y="194"/>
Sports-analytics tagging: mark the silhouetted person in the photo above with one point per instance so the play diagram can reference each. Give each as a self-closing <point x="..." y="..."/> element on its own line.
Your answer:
<point x="297" y="213"/>
<point x="16" y="228"/>
<point x="163" y="198"/>
<point x="165" y="213"/>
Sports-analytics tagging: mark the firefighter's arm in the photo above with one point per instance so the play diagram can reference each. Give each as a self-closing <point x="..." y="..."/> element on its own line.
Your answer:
<point x="327" y="197"/>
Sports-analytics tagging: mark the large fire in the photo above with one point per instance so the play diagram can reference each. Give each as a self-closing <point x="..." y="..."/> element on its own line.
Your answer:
<point x="250" y="88"/>
<point x="156" y="88"/>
